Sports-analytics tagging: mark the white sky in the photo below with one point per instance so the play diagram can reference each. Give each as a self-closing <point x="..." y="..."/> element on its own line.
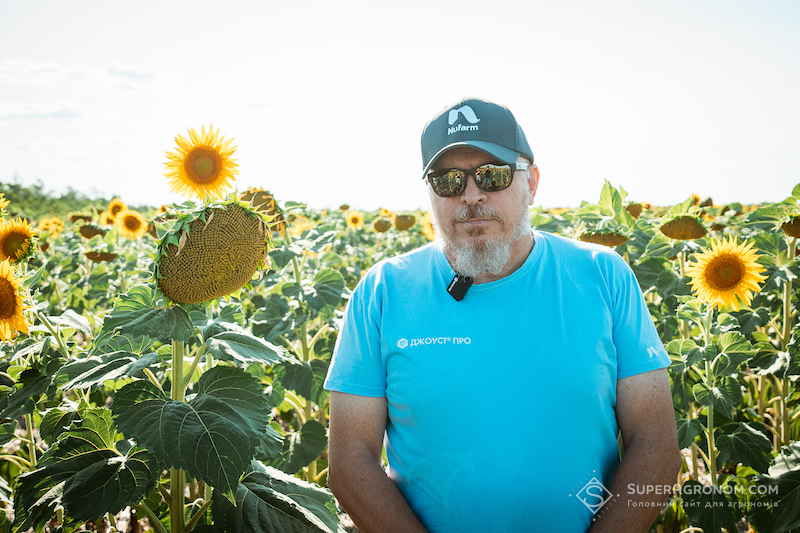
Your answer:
<point x="326" y="100"/>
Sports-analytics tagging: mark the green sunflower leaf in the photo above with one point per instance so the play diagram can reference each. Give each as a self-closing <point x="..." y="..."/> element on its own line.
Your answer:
<point x="777" y="504"/>
<point x="86" y="474"/>
<point x="244" y="349"/>
<point x="746" y="445"/>
<point x="726" y="394"/>
<point x="269" y="500"/>
<point x="136" y="313"/>
<point x="94" y="371"/>
<point x="688" y="429"/>
<point x="708" y="507"/>
<point x="213" y="437"/>
<point x="302" y="447"/>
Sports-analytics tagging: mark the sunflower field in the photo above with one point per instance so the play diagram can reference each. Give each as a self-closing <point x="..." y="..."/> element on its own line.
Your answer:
<point x="163" y="369"/>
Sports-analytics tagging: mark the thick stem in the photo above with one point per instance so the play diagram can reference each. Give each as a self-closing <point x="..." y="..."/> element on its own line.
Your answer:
<point x="143" y="509"/>
<point x="712" y="449"/>
<point x="177" y="482"/>
<point x="31" y="440"/>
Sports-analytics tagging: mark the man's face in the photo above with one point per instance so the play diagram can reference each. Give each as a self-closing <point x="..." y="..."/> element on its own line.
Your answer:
<point x="479" y="223"/>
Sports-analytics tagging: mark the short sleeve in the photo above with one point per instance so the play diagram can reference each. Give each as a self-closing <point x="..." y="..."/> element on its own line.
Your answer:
<point x="356" y="366"/>
<point x="639" y="348"/>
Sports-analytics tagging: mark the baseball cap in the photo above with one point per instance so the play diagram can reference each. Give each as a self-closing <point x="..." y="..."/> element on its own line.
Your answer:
<point x="476" y="123"/>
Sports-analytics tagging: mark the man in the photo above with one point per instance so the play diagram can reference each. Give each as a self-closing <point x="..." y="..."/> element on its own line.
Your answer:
<point x="500" y="401"/>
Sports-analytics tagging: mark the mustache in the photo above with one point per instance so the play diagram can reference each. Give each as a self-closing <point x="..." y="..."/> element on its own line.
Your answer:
<point x="477" y="211"/>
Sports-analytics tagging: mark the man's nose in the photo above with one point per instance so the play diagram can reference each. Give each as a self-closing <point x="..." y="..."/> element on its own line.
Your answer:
<point x="472" y="194"/>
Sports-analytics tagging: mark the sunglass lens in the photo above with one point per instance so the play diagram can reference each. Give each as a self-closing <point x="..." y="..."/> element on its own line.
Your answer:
<point x="494" y="177"/>
<point x="448" y="182"/>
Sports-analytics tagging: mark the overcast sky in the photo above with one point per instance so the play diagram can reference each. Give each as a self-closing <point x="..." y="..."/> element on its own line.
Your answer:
<point x="326" y="100"/>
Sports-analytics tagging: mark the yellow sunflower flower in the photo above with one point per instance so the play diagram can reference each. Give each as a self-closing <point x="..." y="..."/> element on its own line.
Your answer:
<point x="354" y="219"/>
<point x="16" y="240"/>
<point x="115" y="207"/>
<point x="386" y="213"/>
<point x="202" y="166"/>
<point x="107" y="219"/>
<point x="299" y="225"/>
<point x="11" y="319"/>
<point x="427" y="227"/>
<point x="727" y="275"/>
<point x="131" y="224"/>
<point x="3" y="202"/>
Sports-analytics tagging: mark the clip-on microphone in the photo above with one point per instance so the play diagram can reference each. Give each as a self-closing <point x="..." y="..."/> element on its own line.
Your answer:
<point x="459" y="286"/>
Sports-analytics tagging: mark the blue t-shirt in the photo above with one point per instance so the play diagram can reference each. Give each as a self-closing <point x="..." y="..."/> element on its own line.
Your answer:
<point x="501" y="406"/>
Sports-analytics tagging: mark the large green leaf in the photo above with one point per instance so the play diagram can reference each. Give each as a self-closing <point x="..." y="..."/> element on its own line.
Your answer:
<point x="723" y="396"/>
<point x="268" y="500"/>
<point x="31" y="383"/>
<point x="56" y="421"/>
<point x="746" y="445"/>
<point x="688" y="429"/>
<point x="305" y="378"/>
<point x="244" y="349"/>
<point x="213" y="437"/>
<point x="273" y="318"/>
<point x="94" y="371"/>
<point x="86" y="474"/>
<point x="302" y="447"/>
<point x="708" y="507"/>
<point x="738" y="350"/>
<point x="777" y="506"/>
<point x="327" y="291"/>
<point x="136" y="314"/>
<point x="71" y="319"/>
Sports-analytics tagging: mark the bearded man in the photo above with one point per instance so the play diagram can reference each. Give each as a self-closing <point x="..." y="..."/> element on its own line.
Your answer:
<point x="499" y="365"/>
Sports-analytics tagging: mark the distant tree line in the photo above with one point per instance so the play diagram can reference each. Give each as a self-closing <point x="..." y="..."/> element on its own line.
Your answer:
<point x="33" y="202"/>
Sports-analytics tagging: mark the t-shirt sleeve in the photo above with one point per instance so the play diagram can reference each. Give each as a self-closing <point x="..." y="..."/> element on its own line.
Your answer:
<point x="639" y="348"/>
<point x="356" y="366"/>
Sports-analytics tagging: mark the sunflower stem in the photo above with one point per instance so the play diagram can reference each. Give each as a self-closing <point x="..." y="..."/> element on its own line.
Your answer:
<point x="712" y="449"/>
<point x="31" y="440"/>
<point x="142" y="508"/>
<point x="177" y="482"/>
<point x="188" y="376"/>
<point x="55" y="333"/>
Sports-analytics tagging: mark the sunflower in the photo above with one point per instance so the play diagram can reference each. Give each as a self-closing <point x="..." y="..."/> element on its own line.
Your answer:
<point x="161" y="211"/>
<point x="684" y="227"/>
<point x="11" y="319"/>
<point x="792" y="227"/>
<point x="131" y="224"/>
<point x="202" y="166"/>
<point x="16" y="240"/>
<point x="299" y="225"/>
<point x="610" y="239"/>
<point x="107" y="219"/>
<point x="381" y="225"/>
<point x="427" y="227"/>
<point x="386" y="213"/>
<point x="354" y="219"/>
<point x="3" y="201"/>
<point x="726" y="275"/>
<point x="53" y="225"/>
<point x="115" y="207"/>
<point x="404" y="222"/>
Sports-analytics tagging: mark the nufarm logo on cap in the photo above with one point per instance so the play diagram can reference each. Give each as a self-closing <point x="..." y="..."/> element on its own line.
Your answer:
<point x="467" y="112"/>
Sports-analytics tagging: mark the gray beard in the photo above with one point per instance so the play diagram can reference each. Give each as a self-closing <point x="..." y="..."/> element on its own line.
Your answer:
<point x="477" y="258"/>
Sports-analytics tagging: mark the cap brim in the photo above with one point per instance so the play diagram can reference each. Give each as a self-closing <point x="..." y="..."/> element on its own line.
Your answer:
<point x="501" y="153"/>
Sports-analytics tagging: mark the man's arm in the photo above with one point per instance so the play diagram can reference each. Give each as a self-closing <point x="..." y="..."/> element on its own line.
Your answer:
<point x="355" y="474"/>
<point x="652" y="459"/>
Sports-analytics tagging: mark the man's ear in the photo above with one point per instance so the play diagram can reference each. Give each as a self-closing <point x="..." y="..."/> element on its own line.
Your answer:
<point x="533" y="182"/>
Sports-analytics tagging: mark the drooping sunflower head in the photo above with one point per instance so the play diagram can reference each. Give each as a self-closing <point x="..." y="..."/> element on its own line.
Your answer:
<point x="17" y="240"/>
<point x="202" y="167"/>
<point x="131" y="224"/>
<point x="727" y="275"/>
<point x="381" y="225"/>
<point x="212" y="251"/>
<point x="792" y="227"/>
<point x="115" y="207"/>
<point x="684" y="228"/>
<point x="12" y="321"/>
<point x="354" y="219"/>
<point x="265" y="202"/>
<point x="404" y="222"/>
<point x="606" y="238"/>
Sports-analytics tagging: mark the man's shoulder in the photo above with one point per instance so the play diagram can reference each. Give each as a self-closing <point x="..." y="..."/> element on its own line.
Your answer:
<point x="408" y="263"/>
<point x="572" y="250"/>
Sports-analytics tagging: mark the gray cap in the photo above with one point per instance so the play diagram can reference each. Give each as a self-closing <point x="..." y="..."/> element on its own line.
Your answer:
<point x="479" y="124"/>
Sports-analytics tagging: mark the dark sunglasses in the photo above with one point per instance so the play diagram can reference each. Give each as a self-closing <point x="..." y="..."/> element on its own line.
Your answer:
<point x="449" y="182"/>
